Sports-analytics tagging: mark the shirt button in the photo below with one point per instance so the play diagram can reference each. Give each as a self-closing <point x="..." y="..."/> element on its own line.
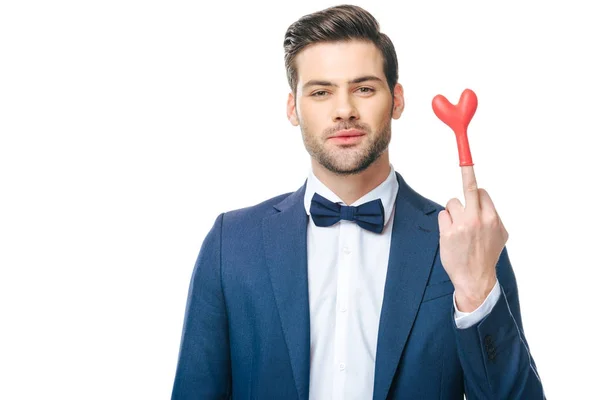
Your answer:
<point x="342" y="366"/>
<point x="343" y="309"/>
<point x="346" y="250"/>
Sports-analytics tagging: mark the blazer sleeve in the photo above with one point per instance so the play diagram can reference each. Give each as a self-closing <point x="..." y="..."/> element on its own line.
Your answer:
<point x="494" y="353"/>
<point x="204" y="365"/>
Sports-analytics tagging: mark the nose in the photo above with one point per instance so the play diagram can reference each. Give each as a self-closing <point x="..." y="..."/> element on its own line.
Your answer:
<point x="345" y="109"/>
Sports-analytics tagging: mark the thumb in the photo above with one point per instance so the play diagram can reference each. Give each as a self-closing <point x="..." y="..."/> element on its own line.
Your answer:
<point x="444" y="221"/>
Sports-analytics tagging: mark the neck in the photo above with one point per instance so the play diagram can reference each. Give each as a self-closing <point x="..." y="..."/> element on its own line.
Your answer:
<point x="350" y="188"/>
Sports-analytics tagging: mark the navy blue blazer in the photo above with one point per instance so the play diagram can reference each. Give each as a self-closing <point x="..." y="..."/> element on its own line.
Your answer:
<point x="246" y="333"/>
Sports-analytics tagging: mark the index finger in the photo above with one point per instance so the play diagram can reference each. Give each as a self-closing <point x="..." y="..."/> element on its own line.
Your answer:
<point x="470" y="188"/>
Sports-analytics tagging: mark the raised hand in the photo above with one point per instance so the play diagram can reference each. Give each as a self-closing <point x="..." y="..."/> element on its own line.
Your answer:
<point x="471" y="240"/>
<point x="471" y="237"/>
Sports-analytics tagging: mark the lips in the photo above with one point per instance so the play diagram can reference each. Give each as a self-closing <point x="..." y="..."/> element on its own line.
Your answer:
<point x="347" y="133"/>
<point x="347" y="137"/>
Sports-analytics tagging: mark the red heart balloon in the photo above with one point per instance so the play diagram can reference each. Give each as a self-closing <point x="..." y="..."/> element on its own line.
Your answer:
<point x="457" y="117"/>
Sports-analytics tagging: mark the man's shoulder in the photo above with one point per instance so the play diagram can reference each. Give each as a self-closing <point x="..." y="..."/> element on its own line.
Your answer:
<point x="254" y="213"/>
<point x="417" y="200"/>
<point x="263" y="208"/>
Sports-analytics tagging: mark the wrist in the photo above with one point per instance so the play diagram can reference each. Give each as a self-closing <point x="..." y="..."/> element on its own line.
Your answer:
<point x="469" y="298"/>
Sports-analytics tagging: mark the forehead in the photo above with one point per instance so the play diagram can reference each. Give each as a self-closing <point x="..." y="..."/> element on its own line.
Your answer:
<point x="339" y="61"/>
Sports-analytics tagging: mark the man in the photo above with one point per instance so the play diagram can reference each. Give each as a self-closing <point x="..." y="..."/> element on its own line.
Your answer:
<point x="354" y="286"/>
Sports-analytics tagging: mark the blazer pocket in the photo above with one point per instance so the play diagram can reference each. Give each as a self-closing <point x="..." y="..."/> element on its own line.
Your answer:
<point x="436" y="290"/>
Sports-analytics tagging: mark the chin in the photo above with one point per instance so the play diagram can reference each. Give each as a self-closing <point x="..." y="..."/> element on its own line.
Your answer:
<point x="347" y="167"/>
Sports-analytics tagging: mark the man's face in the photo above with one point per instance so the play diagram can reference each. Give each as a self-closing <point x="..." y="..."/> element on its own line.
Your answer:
<point x="342" y="86"/>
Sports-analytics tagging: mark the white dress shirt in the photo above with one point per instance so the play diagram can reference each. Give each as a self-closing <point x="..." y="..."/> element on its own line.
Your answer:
<point x="347" y="266"/>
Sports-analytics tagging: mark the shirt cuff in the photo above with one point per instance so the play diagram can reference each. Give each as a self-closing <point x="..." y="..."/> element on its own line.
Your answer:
<point x="466" y="320"/>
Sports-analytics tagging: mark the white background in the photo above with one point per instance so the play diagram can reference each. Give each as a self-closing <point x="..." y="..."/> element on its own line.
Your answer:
<point x="128" y="126"/>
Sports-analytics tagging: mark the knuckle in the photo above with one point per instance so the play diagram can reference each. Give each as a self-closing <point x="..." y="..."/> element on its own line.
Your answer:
<point x="454" y="202"/>
<point x="490" y="219"/>
<point x="471" y="188"/>
<point x="475" y="224"/>
<point x="461" y="229"/>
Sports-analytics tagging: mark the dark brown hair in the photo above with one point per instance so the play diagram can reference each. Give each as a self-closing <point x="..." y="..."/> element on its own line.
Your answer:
<point x="335" y="24"/>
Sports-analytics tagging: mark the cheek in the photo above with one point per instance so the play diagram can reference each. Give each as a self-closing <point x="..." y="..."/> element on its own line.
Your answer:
<point x="385" y="109"/>
<point x="383" y="116"/>
<point x="376" y="109"/>
<point x="311" y="112"/>
<point x="313" y="118"/>
<point x="376" y="121"/>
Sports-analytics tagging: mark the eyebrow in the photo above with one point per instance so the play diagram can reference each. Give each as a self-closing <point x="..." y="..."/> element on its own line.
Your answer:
<point x="315" y="82"/>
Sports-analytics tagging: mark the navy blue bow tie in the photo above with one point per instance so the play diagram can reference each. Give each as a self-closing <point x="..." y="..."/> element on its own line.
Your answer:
<point x="369" y="215"/>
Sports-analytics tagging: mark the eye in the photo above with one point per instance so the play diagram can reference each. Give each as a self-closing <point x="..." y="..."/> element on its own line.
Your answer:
<point x="315" y="94"/>
<point x="368" y="90"/>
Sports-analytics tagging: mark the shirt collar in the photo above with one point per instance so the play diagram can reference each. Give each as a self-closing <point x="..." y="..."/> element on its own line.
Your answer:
<point x="386" y="191"/>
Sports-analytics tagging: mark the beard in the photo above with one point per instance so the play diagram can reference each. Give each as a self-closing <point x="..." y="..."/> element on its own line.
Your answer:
<point x="347" y="159"/>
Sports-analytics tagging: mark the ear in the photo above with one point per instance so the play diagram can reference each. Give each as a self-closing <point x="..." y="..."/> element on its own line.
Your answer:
<point x="291" y="110"/>
<point x="398" y="101"/>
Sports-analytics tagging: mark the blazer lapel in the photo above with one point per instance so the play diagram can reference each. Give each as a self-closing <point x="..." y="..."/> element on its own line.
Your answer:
<point x="284" y="235"/>
<point x="413" y="249"/>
